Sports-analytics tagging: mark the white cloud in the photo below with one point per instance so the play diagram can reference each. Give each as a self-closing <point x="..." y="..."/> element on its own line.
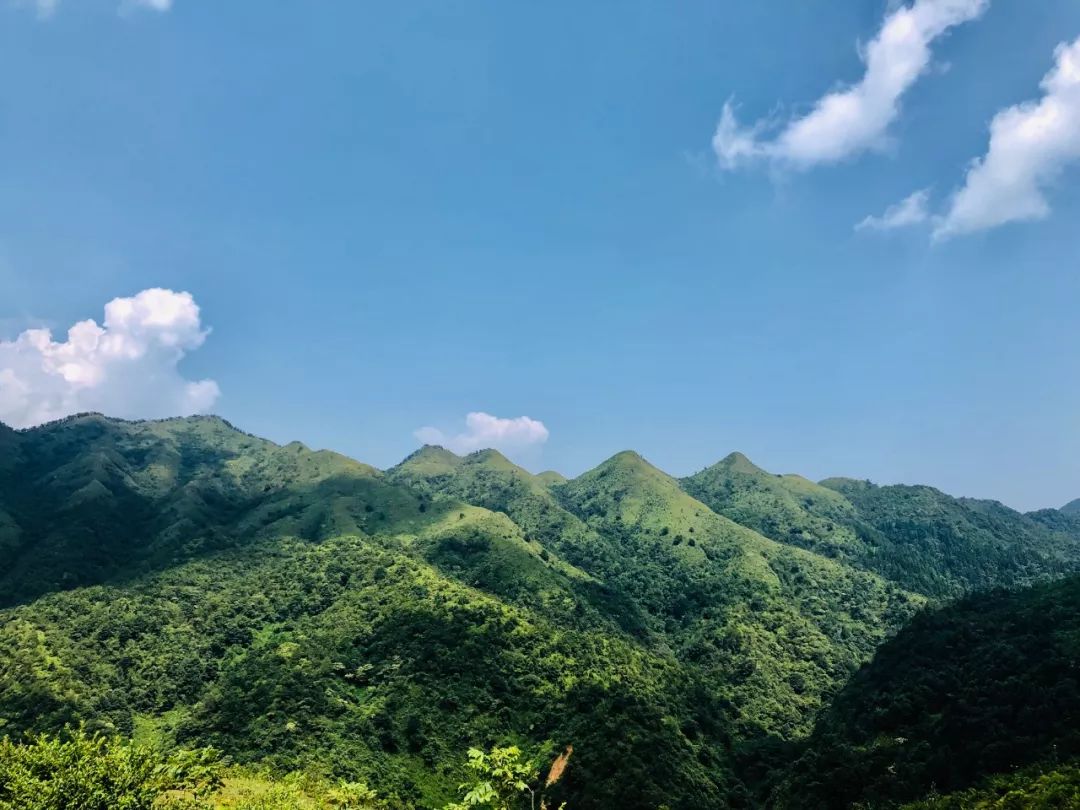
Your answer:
<point x="1030" y="145"/>
<point x="152" y="5"/>
<point x="126" y="367"/>
<point x="482" y="430"/>
<point x="911" y="210"/>
<point x="46" y="8"/>
<point x="854" y="119"/>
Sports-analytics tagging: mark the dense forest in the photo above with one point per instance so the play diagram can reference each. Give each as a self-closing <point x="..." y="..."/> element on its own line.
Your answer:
<point x="204" y="618"/>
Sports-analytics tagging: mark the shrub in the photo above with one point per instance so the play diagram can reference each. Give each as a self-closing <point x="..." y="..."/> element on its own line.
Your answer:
<point x="77" y="771"/>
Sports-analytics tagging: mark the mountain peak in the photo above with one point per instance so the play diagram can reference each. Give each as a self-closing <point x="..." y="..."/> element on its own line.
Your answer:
<point x="1071" y="508"/>
<point x="489" y="456"/>
<point x="738" y="462"/>
<point x="627" y="458"/>
<point x="431" y="459"/>
<point x="842" y="484"/>
<point x="628" y="466"/>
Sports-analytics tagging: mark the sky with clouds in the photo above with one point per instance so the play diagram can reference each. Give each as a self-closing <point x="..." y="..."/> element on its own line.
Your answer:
<point x="837" y="237"/>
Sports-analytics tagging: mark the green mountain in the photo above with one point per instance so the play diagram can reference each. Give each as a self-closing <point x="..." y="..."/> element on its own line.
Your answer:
<point x="944" y="546"/>
<point x="299" y="609"/>
<point x="1072" y="508"/>
<point x="187" y="583"/>
<point x="87" y="498"/>
<point x="981" y="687"/>
<point x="774" y="628"/>
<point x="787" y="508"/>
<point x="918" y="537"/>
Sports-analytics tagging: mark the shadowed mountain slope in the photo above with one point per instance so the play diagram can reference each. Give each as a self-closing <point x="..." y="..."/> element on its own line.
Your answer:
<point x="980" y="687"/>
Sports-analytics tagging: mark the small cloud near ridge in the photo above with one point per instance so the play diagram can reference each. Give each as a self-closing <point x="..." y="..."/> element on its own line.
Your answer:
<point x="482" y="431"/>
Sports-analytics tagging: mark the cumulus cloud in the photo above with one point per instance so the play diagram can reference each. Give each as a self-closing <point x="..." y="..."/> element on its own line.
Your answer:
<point x="912" y="210"/>
<point x="854" y="119"/>
<point x="125" y="367"/>
<point x="482" y="430"/>
<point x="1030" y="145"/>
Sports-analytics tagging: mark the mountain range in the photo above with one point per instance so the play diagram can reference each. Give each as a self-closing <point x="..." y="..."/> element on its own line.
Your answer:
<point x="726" y="639"/>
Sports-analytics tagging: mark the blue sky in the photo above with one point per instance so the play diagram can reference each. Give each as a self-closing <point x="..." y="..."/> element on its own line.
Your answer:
<point x="390" y="217"/>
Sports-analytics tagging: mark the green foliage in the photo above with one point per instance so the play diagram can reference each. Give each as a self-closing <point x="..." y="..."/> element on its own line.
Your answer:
<point x="81" y="771"/>
<point x="919" y="538"/>
<point x="1041" y="788"/>
<point x="294" y="791"/>
<point x="981" y="687"/>
<point x="786" y="508"/>
<point x="502" y="779"/>
<point x="944" y="547"/>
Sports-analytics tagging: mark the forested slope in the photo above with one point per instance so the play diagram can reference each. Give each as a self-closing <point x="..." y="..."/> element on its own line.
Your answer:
<point x="984" y="686"/>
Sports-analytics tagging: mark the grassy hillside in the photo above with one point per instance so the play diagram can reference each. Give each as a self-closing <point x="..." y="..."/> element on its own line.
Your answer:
<point x="981" y="687"/>
<point x="771" y="629"/>
<point x="487" y="479"/>
<point x="787" y="508"/>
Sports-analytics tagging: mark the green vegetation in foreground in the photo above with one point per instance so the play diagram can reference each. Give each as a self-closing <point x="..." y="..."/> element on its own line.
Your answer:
<point x="80" y="771"/>
<point x="1041" y="788"/>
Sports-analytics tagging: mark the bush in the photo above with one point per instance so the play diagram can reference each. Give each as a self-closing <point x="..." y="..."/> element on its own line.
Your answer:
<point x="77" y="771"/>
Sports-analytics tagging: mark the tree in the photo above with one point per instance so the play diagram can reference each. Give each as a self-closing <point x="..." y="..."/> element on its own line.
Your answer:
<point x="506" y="780"/>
